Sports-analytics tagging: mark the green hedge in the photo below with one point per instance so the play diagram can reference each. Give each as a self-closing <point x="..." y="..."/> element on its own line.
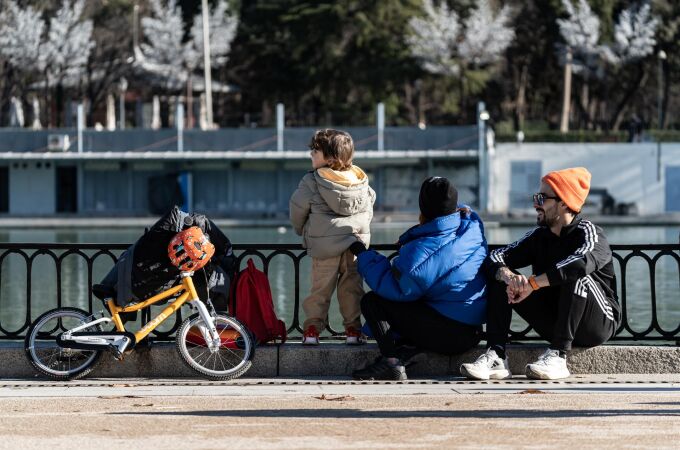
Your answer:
<point x="571" y="136"/>
<point x="589" y="136"/>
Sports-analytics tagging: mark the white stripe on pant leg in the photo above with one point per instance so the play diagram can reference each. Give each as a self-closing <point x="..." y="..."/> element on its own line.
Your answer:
<point x="600" y="298"/>
<point x="598" y="293"/>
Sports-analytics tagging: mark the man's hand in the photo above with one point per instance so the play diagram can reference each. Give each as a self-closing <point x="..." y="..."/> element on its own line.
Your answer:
<point x="518" y="287"/>
<point x="514" y="297"/>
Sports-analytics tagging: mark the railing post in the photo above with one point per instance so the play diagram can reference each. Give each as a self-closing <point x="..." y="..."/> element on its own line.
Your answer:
<point x="79" y="127"/>
<point x="280" y="123"/>
<point x="380" y="121"/>
<point x="180" y="127"/>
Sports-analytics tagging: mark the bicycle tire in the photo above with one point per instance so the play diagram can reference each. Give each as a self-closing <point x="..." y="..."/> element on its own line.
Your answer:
<point x="52" y="360"/>
<point x="231" y="360"/>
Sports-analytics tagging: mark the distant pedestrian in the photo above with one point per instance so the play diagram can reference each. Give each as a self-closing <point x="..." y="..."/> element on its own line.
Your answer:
<point x="571" y="298"/>
<point x="332" y="205"/>
<point x="432" y="296"/>
<point x="635" y="127"/>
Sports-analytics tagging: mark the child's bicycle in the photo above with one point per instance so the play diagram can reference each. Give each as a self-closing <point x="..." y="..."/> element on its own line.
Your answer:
<point x="66" y="343"/>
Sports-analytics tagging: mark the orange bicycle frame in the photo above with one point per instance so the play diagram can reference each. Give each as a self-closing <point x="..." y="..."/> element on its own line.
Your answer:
<point x="188" y="293"/>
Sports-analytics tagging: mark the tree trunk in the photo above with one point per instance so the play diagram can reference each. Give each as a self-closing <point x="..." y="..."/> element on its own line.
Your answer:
<point x="592" y="113"/>
<point x="59" y="104"/>
<point x="411" y="110"/>
<point x="566" y="100"/>
<point x="583" y="104"/>
<point x="190" y="102"/>
<point x="5" y="93"/>
<point x="266" y="114"/>
<point x="520" y="102"/>
<point x="666" y="92"/>
<point x="617" y="117"/>
<point x="48" y="103"/>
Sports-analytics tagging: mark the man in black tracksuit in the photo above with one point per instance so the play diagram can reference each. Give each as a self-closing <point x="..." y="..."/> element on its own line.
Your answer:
<point x="571" y="299"/>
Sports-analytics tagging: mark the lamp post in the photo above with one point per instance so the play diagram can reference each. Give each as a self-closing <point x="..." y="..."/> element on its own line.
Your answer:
<point x="661" y="58"/>
<point x="482" y="117"/>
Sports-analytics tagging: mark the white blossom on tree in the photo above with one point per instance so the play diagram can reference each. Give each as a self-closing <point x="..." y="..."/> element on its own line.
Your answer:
<point x="442" y="43"/>
<point x="164" y="51"/>
<point x="222" y="27"/>
<point x="486" y="37"/>
<point x="20" y="36"/>
<point x="68" y="44"/>
<point x="581" y="30"/>
<point x="634" y="33"/>
<point x="60" y="54"/>
<point x="434" y="37"/>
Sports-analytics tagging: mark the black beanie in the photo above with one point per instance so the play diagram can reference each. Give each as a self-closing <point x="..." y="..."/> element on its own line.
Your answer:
<point x="438" y="197"/>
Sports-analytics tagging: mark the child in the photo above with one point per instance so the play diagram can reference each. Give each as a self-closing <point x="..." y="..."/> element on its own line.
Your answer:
<point x="331" y="208"/>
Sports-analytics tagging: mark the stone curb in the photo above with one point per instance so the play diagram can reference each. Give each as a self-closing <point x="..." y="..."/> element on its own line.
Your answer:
<point x="294" y="360"/>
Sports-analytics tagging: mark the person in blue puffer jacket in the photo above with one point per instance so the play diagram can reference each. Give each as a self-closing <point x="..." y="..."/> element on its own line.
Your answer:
<point x="433" y="295"/>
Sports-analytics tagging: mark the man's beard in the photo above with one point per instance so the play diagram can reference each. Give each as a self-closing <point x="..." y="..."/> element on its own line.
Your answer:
<point x="544" y="221"/>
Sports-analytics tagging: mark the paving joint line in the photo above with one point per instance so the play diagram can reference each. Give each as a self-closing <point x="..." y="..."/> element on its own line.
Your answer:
<point x="328" y="383"/>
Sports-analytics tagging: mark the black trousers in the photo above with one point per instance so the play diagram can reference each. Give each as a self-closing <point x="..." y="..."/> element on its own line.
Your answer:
<point x="417" y="324"/>
<point x="570" y="314"/>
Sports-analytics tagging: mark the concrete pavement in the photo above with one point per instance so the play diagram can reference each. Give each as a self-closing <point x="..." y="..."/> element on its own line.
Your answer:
<point x="585" y="411"/>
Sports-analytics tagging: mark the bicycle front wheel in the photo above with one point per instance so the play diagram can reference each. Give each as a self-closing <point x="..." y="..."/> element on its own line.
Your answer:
<point x="233" y="357"/>
<point x="47" y="357"/>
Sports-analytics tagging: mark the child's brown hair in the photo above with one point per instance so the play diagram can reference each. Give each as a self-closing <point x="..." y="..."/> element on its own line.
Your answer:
<point x="337" y="147"/>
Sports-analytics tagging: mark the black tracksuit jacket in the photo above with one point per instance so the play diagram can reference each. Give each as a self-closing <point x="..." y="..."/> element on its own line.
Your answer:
<point x="581" y="249"/>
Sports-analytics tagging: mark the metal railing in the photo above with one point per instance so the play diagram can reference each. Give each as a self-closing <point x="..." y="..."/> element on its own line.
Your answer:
<point x="87" y="255"/>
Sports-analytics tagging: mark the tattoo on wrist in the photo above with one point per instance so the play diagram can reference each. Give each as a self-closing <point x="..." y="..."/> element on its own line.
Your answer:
<point x="499" y="274"/>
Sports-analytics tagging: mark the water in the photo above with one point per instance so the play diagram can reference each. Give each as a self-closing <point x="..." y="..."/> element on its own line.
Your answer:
<point x="13" y="288"/>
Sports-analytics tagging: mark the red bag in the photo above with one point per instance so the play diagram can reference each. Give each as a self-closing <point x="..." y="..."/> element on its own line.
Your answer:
<point x="251" y="303"/>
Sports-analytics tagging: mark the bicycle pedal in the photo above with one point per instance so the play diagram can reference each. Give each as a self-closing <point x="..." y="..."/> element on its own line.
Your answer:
<point x="117" y="354"/>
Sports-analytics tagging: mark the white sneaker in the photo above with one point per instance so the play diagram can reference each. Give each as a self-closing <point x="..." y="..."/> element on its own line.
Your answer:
<point x="488" y="366"/>
<point x="310" y="336"/>
<point x="549" y="366"/>
<point x="310" y="340"/>
<point x="354" y="336"/>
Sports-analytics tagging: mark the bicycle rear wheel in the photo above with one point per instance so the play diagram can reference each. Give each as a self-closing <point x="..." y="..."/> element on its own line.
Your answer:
<point x="231" y="360"/>
<point x="47" y="357"/>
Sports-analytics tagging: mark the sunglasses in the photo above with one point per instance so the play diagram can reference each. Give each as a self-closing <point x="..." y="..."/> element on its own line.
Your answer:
<point x="540" y="198"/>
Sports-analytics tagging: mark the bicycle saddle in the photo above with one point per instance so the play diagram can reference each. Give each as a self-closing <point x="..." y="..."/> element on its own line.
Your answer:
<point x="103" y="292"/>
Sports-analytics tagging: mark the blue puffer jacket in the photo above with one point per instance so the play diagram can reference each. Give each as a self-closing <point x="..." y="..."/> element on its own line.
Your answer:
<point x="439" y="263"/>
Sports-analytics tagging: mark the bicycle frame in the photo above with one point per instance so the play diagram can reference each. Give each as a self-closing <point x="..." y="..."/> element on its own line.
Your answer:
<point x="188" y="294"/>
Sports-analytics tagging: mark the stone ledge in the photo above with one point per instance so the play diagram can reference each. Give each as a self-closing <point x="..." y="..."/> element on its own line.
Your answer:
<point x="294" y="360"/>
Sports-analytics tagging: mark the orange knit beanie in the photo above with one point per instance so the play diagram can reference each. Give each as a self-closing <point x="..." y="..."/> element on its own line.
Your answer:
<point x="570" y="185"/>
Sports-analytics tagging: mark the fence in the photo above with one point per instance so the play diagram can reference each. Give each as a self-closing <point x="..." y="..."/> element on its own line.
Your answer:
<point x="235" y="139"/>
<point x="625" y="256"/>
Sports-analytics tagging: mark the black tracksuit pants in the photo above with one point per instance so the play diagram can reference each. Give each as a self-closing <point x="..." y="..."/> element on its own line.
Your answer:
<point x="416" y="324"/>
<point x="572" y="313"/>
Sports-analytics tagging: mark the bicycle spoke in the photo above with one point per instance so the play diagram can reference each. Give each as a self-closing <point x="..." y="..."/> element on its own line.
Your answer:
<point x="231" y="357"/>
